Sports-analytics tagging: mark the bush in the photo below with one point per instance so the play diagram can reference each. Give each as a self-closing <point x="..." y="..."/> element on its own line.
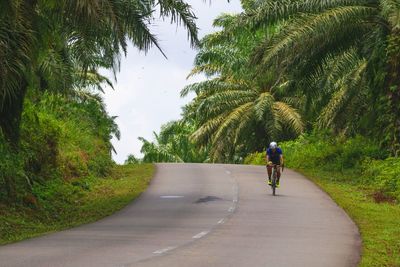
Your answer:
<point x="61" y="139"/>
<point x="384" y="175"/>
<point x="257" y="158"/>
<point x="330" y="153"/>
<point x="13" y="180"/>
<point x="39" y="143"/>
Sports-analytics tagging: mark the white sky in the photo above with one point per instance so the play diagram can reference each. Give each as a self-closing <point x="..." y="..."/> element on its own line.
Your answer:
<point x="147" y="90"/>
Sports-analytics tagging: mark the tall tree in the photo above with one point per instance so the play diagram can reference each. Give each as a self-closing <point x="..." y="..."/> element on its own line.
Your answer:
<point x="342" y="55"/>
<point x="237" y="110"/>
<point x="41" y="39"/>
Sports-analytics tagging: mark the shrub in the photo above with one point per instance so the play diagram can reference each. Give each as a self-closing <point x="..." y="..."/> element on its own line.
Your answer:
<point x="40" y="143"/>
<point x="257" y="158"/>
<point x="61" y="139"/>
<point x="384" y="175"/>
<point x="13" y="181"/>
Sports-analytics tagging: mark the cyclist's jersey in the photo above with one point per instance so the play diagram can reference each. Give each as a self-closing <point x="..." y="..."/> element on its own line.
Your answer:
<point x="275" y="157"/>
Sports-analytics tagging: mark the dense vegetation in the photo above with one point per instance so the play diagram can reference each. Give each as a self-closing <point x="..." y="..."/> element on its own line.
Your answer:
<point x="61" y="138"/>
<point x="53" y="123"/>
<point x="172" y="145"/>
<point x="282" y="68"/>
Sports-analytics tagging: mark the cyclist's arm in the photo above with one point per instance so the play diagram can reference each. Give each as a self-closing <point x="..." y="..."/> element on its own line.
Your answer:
<point x="281" y="159"/>
<point x="267" y="159"/>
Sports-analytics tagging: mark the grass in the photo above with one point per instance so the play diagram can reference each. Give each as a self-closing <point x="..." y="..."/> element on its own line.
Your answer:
<point x="379" y="223"/>
<point x="58" y="205"/>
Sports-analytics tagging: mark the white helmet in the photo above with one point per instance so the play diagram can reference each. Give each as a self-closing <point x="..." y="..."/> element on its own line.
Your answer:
<point x="273" y="145"/>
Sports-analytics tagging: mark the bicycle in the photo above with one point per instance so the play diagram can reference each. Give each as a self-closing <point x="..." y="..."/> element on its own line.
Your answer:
<point x="274" y="178"/>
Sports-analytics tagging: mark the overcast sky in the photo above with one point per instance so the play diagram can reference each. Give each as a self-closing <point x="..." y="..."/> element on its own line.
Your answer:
<point x="147" y="90"/>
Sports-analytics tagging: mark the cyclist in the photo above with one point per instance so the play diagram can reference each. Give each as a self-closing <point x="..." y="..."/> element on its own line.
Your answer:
<point x="274" y="156"/>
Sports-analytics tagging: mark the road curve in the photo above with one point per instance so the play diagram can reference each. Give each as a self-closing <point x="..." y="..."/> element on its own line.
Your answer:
<point x="206" y="215"/>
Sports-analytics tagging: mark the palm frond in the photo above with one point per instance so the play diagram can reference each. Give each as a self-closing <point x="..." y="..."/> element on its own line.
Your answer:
<point x="315" y="30"/>
<point x="289" y="116"/>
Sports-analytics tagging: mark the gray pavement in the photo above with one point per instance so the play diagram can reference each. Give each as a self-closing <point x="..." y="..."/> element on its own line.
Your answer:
<point x="206" y="215"/>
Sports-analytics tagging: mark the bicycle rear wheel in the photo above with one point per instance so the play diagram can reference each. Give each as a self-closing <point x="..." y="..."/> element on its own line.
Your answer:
<point x="273" y="185"/>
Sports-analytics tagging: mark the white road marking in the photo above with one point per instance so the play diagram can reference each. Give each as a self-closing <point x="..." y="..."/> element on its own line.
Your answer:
<point x="234" y="201"/>
<point x="161" y="251"/>
<point x="221" y="221"/>
<point x="231" y="209"/>
<point x="171" y="196"/>
<point x="228" y="172"/>
<point x="200" y="235"/>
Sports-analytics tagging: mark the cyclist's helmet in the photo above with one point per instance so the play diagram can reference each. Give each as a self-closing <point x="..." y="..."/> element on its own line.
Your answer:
<point x="273" y="145"/>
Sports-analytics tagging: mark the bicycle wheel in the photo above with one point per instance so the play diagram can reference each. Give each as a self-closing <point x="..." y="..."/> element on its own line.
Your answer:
<point x="273" y="185"/>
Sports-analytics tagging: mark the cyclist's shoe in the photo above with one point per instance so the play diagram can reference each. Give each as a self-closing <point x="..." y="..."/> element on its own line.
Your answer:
<point x="269" y="182"/>
<point x="277" y="184"/>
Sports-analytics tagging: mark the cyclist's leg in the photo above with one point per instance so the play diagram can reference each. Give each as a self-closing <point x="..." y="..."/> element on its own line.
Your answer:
<point x="269" y="170"/>
<point x="278" y="173"/>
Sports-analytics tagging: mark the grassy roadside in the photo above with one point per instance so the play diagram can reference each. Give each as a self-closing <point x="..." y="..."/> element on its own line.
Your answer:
<point x="60" y="205"/>
<point x="379" y="223"/>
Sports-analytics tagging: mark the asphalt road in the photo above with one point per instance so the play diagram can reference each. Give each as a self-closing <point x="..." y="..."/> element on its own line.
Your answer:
<point x="206" y="215"/>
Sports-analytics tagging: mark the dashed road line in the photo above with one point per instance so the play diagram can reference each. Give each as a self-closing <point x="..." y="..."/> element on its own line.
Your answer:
<point x="161" y="251"/>
<point x="200" y="235"/>
<point x="221" y="221"/>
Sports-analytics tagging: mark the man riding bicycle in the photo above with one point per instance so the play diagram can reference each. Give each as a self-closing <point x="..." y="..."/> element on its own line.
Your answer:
<point x="274" y="157"/>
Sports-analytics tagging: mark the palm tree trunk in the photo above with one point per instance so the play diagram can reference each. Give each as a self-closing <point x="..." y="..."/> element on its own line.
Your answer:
<point x="10" y="116"/>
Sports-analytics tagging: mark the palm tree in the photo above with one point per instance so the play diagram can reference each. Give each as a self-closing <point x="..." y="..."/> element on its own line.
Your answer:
<point x="157" y="152"/>
<point x="236" y="110"/>
<point x="173" y="144"/>
<point x="40" y="41"/>
<point x="342" y="55"/>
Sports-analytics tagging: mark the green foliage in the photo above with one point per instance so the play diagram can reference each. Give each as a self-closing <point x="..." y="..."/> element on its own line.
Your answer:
<point x="331" y="153"/>
<point x="40" y="143"/>
<point x="335" y="56"/>
<point x="62" y="138"/>
<point x="281" y="68"/>
<point x="237" y="111"/>
<point x="173" y="144"/>
<point x="359" y="161"/>
<point x="52" y="45"/>
<point x="256" y="158"/>
<point x="12" y="176"/>
<point x="131" y="159"/>
<point x="51" y="122"/>
<point x="385" y="175"/>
